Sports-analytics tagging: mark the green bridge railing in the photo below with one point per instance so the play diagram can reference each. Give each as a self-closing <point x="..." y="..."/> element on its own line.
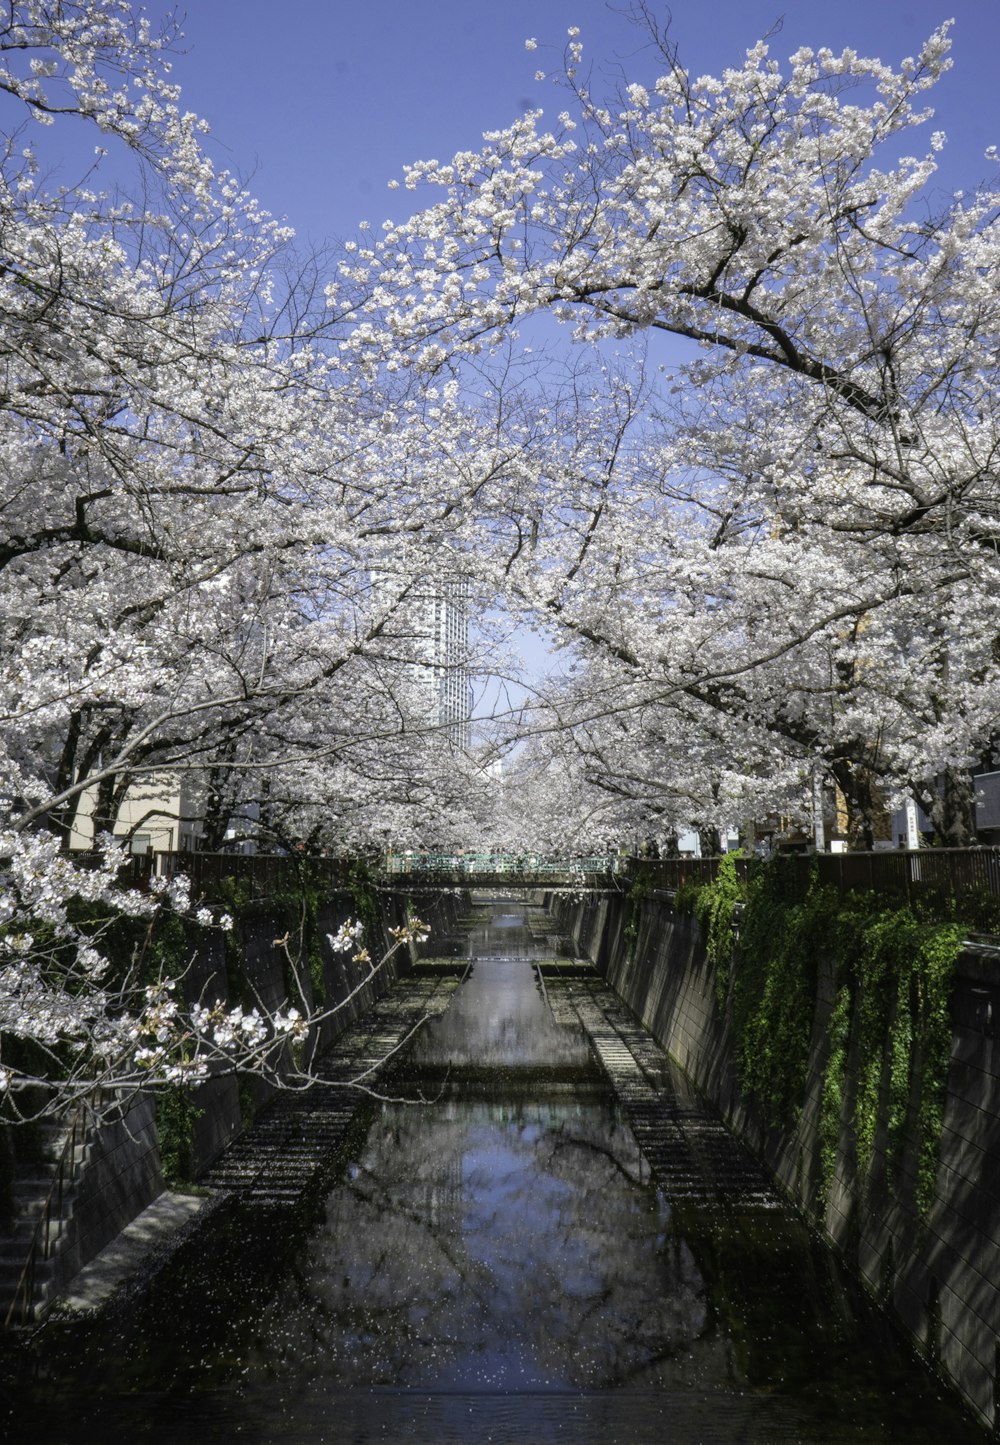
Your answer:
<point x="501" y="864"/>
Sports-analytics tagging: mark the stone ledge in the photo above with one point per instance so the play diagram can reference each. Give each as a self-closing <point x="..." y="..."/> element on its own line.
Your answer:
<point x="159" y="1228"/>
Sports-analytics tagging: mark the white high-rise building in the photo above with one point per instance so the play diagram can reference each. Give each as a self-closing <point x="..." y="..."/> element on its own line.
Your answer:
<point x="433" y="622"/>
<point x="450" y="668"/>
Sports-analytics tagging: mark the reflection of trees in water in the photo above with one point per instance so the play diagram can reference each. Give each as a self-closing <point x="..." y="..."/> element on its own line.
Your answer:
<point x="479" y="1244"/>
<point x="498" y="1016"/>
<point x="634" y="1170"/>
<point x="781" y="1300"/>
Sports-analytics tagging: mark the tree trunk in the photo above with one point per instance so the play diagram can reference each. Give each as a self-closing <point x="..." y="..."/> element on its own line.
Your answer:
<point x="951" y="807"/>
<point x="864" y="801"/>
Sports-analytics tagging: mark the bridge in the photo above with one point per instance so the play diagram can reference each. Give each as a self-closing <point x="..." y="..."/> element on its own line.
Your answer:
<point x="505" y="870"/>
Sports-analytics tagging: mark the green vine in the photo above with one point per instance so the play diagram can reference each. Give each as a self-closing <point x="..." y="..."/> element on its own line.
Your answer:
<point x="715" y="907"/>
<point x="293" y="908"/>
<point x="774" y="988"/>
<point x="302" y="903"/>
<point x="686" y="897"/>
<point x="902" y="974"/>
<point x="176" y="1115"/>
<point x="892" y="969"/>
<point x="832" y="1099"/>
<point x="639" y="891"/>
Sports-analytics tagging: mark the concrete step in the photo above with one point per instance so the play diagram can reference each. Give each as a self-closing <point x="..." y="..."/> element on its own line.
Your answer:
<point x="37" y="1187"/>
<point x="694" y="1157"/>
<point x="288" y="1148"/>
<point x="27" y="1223"/>
<point x="12" y="1267"/>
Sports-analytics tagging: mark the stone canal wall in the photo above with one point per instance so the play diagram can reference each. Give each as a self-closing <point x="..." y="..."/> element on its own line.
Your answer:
<point x="121" y="1176"/>
<point x="121" y="1172"/>
<point x="937" y="1273"/>
<point x="227" y="1104"/>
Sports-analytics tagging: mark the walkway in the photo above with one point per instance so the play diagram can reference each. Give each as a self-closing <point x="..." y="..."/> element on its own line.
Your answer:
<point x="293" y="1146"/>
<point x="690" y="1151"/>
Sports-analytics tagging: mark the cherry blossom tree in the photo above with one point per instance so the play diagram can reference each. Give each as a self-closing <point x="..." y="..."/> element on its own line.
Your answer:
<point x="224" y="473"/>
<point x="84" y="1021"/>
<point x="195" y="492"/>
<point x="805" y="540"/>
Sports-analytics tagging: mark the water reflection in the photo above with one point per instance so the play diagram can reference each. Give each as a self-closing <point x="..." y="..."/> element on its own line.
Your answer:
<point x="499" y="1019"/>
<point x="497" y="1265"/>
<point x="506" y="1237"/>
<point x="490" y="1247"/>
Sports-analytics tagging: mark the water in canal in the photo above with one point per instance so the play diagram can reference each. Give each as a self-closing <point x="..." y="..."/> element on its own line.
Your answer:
<point x="495" y="1263"/>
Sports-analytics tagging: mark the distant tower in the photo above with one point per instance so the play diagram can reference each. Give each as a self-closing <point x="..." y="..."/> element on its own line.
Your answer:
<point x="447" y="619"/>
<point x="434" y="620"/>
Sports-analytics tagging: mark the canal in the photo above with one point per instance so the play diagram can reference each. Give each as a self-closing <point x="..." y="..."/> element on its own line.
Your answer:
<point x="498" y="1260"/>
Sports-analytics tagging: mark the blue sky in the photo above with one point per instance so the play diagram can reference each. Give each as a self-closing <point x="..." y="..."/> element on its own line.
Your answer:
<point x="322" y="102"/>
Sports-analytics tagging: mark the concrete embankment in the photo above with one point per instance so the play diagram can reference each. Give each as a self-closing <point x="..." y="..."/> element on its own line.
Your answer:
<point x="935" y="1270"/>
<point x="120" y="1173"/>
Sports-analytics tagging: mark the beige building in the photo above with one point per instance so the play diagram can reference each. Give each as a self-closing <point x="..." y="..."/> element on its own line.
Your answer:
<point x="157" y="816"/>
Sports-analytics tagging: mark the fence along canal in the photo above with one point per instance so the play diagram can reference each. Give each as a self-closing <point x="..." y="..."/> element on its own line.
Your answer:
<point x="550" y="1239"/>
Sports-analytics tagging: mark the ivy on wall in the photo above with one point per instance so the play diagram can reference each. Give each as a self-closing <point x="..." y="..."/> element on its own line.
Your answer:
<point x="715" y="909"/>
<point x="366" y="904"/>
<point x="293" y="910"/>
<point x="832" y="1099"/>
<point x="774" y="987"/>
<point x="891" y="969"/>
<point x="903" y="967"/>
<point x="176" y="1114"/>
<point x="639" y="890"/>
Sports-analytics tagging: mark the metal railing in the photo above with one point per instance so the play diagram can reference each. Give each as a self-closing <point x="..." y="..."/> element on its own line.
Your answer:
<point x="949" y="870"/>
<point x="262" y="873"/>
<point x="674" y="873"/>
<point x="902" y="873"/>
<point x="499" y="864"/>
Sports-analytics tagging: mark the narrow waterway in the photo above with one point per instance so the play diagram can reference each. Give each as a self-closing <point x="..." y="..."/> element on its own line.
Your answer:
<point x="496" y="1262"/>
